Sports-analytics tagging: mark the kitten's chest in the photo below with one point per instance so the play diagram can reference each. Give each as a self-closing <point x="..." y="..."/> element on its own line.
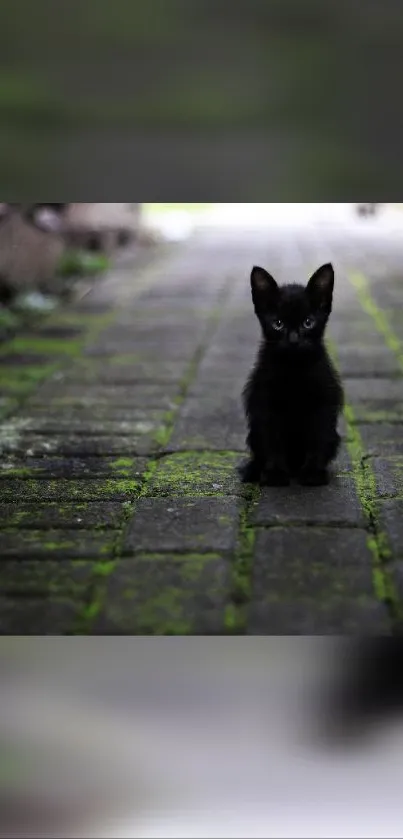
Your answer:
<point x="292" y="393"/>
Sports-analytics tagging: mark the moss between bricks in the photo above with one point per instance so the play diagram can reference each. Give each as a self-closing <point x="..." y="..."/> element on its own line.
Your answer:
<point x="28" y="491"/>
<point x="15" y="378"/>
<point x="378" y="543"/>
<point x="101" y="571"/>
<point x="54" y="541"/>
<point x="379" y="318"/>
<point x="236" y="617"/>
<point x="377" y="540"/>
<point x="60" y="468"/>
<point x="43" y="346"/>
<point x="365" y="482"/>
<point x="377" y="417"/>
<point x="126" y="486"/>
<point x="150" y="478"/>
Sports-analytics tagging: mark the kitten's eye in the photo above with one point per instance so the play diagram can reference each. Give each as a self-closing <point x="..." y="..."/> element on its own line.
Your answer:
<point x="278" y="325"/>
<point x="309" y="323"/>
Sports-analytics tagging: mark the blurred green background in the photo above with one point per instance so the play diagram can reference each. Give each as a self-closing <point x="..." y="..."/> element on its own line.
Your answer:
<point x="239" y="100"/>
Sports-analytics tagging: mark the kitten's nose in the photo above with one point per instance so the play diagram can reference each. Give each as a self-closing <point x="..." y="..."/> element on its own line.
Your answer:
<point x="294" y="338"/>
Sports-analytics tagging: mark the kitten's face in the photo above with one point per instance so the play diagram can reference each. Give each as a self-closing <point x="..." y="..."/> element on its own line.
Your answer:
<point x="293" y="318"/>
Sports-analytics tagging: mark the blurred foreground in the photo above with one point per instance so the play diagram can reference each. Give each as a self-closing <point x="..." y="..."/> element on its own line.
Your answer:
<point x="153" y="739"/>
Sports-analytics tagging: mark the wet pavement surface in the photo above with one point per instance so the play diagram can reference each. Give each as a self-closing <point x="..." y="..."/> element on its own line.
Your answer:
<point x="122" y="426"/>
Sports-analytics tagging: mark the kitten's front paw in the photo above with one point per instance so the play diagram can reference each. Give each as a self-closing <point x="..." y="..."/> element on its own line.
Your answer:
<point x="249" y="472"/>
<point x="274" y="477"/>
<point x="314" y="477"/>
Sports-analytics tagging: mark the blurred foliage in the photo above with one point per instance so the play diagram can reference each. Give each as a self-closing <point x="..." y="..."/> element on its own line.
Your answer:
<point x="232" y="99"/>
<point x="81" y="263"/>
<point x="8" y="320"/>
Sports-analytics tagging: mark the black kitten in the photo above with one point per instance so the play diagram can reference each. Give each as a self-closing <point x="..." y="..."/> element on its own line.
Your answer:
<point x="293" y="397"/>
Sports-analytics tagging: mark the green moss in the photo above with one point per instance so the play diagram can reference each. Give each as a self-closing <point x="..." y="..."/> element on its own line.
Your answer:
<point x="162" y="436"/>
<point x="123" y="462"/>
<point x="91" y="611"/>
<point x="123" y="467"/>
<point x="8" y="320"/>
<point x="213" y="473"/>
<point x="17" y="519"/>
<point x="377" y="417"/>
<point x="162" y="614"/>
<point x="194" y="474"/>
<point x="42" y="346"/>
<point x="378" y="542"/>
<point x="126" y="486"/>
<point x="8" y="470"/>
<point x="366" y="486"/>
<point x="28" y="491"/>
<point x="19" y="381"/>
<point x="379" y="318"/>
<point x="82" y="263"/>
<point x="104" y="569"/>
<point x="130" y="487"/>
<point x="243" y="565"/>
<point x="48" y="545"/>
<point x="46" y="577"/>
<point x="25" y="373"/>
<point x="231" y="619"/>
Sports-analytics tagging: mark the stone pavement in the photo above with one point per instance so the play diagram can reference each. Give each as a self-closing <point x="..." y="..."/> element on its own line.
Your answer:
<point x="120" y="506"/>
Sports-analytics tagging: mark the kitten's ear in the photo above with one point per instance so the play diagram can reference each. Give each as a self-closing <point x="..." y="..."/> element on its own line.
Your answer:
<point x="320" y="287"/>
<point x="264" y="287"/>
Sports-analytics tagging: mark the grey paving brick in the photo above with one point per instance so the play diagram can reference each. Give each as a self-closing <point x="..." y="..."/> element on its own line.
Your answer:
<point x="39" y="616"/>
<point x="45" y="577"/>
<point x="335" y="504"/>
<point x="395" y="571"/>
<point x="183" y="525"/>
<point x="123" y="373"/>
<point x="60" y="490"/>
<point x="391" y="523"/>
<point x="133" y="397"/>
<point x="70" y="467"/>
<point x="367" y="362"/>
<point x="388" y="475"/>
<point x="77" y="516"/>
<point x="309" y="617"/>
<point x="216" y="424"/>
<point x="142" y="431"/>
<point x="382" y="439"/>
<point x="383" y="391"/>
<point x="31" y="444"/>
<point x="297" y="563"/>
<point x="166" y="595"/>
<point x="56" y="544"/>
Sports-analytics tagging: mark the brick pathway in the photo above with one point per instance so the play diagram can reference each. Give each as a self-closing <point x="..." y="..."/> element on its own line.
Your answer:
<point x="121" y="429"/>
